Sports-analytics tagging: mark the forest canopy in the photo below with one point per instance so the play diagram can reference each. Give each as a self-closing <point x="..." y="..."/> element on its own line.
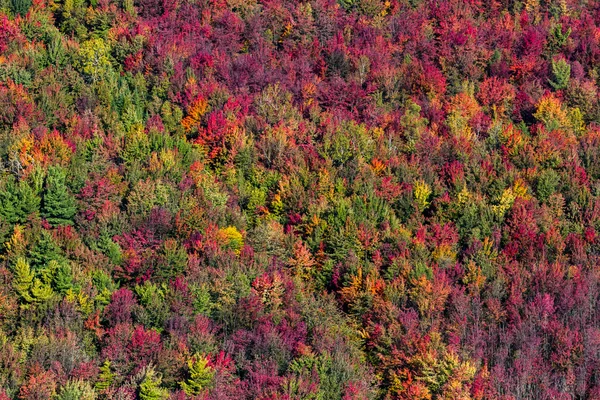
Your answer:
<point x="299" y="199"/>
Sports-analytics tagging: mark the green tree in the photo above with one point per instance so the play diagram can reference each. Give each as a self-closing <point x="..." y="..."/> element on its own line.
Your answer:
<point x="105" y="378"/>
<point x="59" y="205"/>
<point x="150" y="387"/>
<point x="77" y="390"/>
<point x="561" y="73"/>
<point x="41" y="291"/>
<point x="546" y="184"/>
<point x="93" y="58"/>
<point x="23" y="279"/>
<point x="18" y="201"/>
<point x="44" y="251"/>
<point x="62" y="276"/>
<point x="201" y="376"/>
<point x="20" y="7"/>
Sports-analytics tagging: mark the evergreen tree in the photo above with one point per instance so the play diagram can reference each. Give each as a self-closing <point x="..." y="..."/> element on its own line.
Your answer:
<point x="44" y="251"/>
<point x="23" y="279"/>
<point x="59" y="205"/>
<point x="18" y="201"/>
<point x="20" y="7"/>
<point x="561" y="73"/>
<point x="77" y="390"/>
<point x="105" y="378"/>
<point x="41" y="291"/>
<point x="150" y="387"/>
<point x="62" y="276"/>
<point x="201" y="376"/>
<point x="7" y="204"/>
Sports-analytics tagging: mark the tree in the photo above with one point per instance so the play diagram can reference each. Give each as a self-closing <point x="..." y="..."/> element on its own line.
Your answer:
<point x="561" y="73"/>
<point x="77" y="390"/>
<point x="23" y="279"/>
<point x="18" y="201"/>
<point x="62" y="276"/>
<point x="40" y="386"/>
<point x="44" y="251"/>
<point x="41" y="291"/>
<point x="59" y="205"/>
<point x="105" y="378"/>
<point x="20" y="7"/>
<point x="93" y="58"/>
<point x="201" y="376"/>
<point x="150" y="387"/>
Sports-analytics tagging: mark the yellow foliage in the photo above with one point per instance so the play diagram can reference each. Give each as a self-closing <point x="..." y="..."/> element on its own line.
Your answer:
<point x="463" y="108"/>
<point x="444" y="254"/>
<point x="17" y="243"/>
<point x="231" y="238"/>
<point x="422" y="191"/>
<point x="474" y="278"/>
<point x="464" y="196"/>
<point x="359" y="285"/>
<point x="551" y="112"/>
<point x="576" y="121"/>
<point x="509" y="196"/>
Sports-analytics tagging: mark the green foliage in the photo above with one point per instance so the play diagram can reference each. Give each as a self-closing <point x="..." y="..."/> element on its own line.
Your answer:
<point x="93" y="59"/>
<point x="546" y="184"/>
<point x="347" y="4"/>
<point x="41" y="291"/>
<point x="23" y="279"/>
<point x="105" y="377"/>
<point x="156" y="310"/>
<point x="111" y="249"/>
<point x="202" y="300"/>
<point x="62" y="280"/>
<point x="20" y="7"/>
<point x="18" y="200"/>
<point x="413" y="124"/>
<point x="77" y="390"/>
<point x="59" y="206"/>
<point x="200" y="376"/>
<point x="174" y="260"/>
<point x="557" y="39"/>
<point x="348" y="142"/>
<point x="150" y="387"/>
<point x="44" y="251"/>
<point x="561" y="73"/>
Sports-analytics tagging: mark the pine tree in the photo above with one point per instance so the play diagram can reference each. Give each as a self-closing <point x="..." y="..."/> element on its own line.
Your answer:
<point x="7" y="205"/>
<point x="77" y="390"/>
<point x="105" y="378"/>
<point x="150" y="387"/>
<point x="201" y="376"/>
<point x="561" y="73"/>
<point x="28" y="201"/>
<point x="44" y="251"/>
<point x="59" y="205"/>
<point x="23" y="279"/>
<point x="62" y="276"/>
<point x="20" y="7"/>
<point x="41" y="291"/>
<point x="18" y="201"/>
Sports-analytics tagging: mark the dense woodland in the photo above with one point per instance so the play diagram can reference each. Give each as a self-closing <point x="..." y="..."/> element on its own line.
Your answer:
<point x="299" y="200"/>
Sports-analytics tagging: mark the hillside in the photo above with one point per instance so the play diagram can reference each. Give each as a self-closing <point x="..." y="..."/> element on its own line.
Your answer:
<point x="299" y="200"/>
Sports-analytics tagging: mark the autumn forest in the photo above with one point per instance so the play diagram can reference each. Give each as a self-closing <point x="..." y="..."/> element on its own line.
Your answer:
<point x="299" y="199"/>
